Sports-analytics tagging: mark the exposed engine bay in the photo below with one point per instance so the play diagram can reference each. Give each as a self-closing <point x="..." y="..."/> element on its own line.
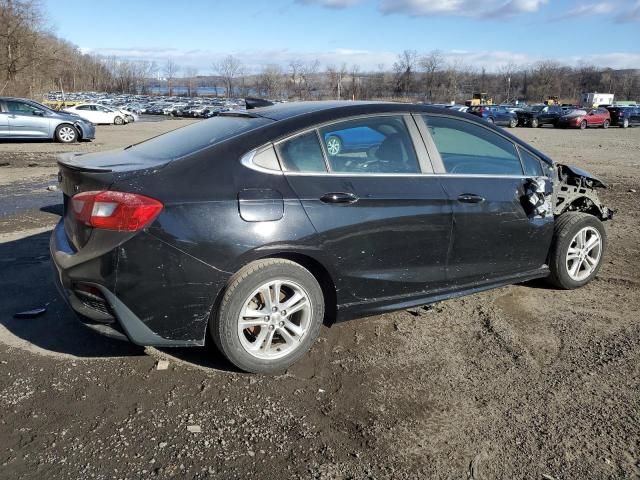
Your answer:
<point x="575" y="191"/>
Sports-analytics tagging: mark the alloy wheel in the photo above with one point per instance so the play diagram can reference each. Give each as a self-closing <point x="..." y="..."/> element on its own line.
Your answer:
<point x="67" y="134"/>
<point x="274" y="319"/>
<point x="583" y="254"/>
<point x="333" y="145"/>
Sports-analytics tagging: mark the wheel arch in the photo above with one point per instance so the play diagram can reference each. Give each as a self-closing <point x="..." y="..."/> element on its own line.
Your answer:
<point x="583" y="204"/>
<point x="322" y="275"/>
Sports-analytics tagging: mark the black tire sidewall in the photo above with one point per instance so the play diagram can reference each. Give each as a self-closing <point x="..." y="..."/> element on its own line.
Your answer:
<point x="223" y="323"/>
<point x="567" y="226"/>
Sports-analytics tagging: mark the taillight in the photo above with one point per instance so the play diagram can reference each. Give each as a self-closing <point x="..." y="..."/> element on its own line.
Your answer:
<point x="481" y="109"/>
<point x="124" y="212"/>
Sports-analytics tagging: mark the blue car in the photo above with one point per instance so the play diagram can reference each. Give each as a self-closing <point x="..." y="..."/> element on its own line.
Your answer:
<point x="352" y="140"/>
<point x="496" y="114"/>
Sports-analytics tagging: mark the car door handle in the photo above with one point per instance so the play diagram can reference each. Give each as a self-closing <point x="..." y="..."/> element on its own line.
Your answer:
<point x="339" y="197"/>
<point x="470" y="198"/>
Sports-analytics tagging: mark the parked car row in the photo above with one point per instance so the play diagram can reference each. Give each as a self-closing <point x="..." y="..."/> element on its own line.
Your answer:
<point x="562" y="116"/>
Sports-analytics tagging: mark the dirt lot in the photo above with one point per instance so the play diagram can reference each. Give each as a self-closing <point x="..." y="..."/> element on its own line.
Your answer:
<point x="522" y="382"/>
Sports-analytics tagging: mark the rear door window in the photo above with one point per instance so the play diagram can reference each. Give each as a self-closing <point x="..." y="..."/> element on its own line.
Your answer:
<point x="379" y="144"/>
<point x="467" y="148"/>
<point x="303" y="153"/>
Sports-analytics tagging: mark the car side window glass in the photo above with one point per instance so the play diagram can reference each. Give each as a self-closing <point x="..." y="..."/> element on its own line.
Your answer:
<point x="532" y="164"/>
<point x="303" y="154"/>
<point x="379" y="144"/>
<point x="19" y="107"/>
<point x="467" y="148"/>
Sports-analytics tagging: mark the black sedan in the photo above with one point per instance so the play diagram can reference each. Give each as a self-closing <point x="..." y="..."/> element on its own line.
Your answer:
<point x="246" y="228"/>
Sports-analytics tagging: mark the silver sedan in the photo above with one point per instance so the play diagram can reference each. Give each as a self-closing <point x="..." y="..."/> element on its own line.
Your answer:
<point x="21" y="118"/>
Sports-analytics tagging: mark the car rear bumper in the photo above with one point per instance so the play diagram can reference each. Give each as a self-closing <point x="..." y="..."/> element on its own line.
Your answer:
<point x="97" y="306"/>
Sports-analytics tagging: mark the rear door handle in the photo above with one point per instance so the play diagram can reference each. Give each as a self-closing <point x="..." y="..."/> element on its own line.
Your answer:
<point x="470" y="198"/>
<point x="339" y="197"/>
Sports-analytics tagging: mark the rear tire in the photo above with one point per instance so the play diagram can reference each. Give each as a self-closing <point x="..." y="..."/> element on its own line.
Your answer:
<point x="252" y="327"/>
<point x="490" y="120"/>
<point x="605" y="124"/>
<point x="66" y="134"/>
<point x="535" y="123"/>
<point x="583" y="125"/>
<point x="625" y="123"/>
<point x="334" y="145"/>
<point x="577" y="250"/>
<point x="513" y="123"/>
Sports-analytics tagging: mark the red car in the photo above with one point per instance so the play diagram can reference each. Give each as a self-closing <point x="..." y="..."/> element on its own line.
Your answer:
<point x="579" y="118"/>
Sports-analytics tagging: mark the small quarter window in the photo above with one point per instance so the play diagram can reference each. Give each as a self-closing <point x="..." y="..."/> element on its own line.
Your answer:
<point x="303" y="154"/>
<point x="467" y="148"/>
<point x="531" y="163"/>
<point x="379" y="144"/>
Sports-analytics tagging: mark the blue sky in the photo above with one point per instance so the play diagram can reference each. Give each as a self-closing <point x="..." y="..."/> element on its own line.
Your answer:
<point x="491" y="33"/>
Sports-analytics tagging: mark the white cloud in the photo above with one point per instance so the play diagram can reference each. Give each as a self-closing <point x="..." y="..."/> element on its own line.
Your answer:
<point x="335" y="4"/>
<point x="629" y="14"/>
<point x="461" y="8"/>
<point x="367" y="60"/>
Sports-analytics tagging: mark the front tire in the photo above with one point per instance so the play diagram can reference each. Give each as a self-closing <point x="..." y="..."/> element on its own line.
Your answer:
<point x="66" y="134"/>
<point x="513" y="123"/>
<point x="605" y="124"/>
<point x="535" y="123"/>
<point x="118" y="120"/>
<point x="625" y="123"/>
<point x="583" y="125"/>
<point x="579" y="244"/>
<point x="269" y="317"/>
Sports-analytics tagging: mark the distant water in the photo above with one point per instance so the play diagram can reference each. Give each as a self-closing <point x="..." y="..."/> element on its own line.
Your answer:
<point x="182" y="90"/>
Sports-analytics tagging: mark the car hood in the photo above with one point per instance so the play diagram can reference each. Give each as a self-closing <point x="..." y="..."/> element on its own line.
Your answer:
<point x="574" y="114"/>
<point x="68" y="115"/>
<point x="578" y="172"/>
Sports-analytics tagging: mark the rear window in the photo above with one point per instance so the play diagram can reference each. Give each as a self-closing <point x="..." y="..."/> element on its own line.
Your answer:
<point x="190" y="139"/>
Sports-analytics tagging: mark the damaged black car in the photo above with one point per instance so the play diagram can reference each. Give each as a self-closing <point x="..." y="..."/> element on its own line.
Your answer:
<point x="253" y="228"/>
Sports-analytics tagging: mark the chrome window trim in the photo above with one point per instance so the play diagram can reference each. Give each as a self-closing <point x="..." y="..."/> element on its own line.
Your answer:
<point x="418" y="147"/>
<point x="247" y="161"/>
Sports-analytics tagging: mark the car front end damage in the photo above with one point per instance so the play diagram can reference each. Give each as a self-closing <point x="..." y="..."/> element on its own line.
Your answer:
<point x="575" y="190"/>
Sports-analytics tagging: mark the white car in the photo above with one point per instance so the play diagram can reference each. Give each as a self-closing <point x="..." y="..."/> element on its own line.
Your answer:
<point x="98" y="114"/>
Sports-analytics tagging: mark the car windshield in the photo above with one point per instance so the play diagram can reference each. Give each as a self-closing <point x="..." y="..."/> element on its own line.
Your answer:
<point x="189" y="139"/>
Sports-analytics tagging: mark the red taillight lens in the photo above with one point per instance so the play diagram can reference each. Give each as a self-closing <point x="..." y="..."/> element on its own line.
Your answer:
<point x="124" y="212"/>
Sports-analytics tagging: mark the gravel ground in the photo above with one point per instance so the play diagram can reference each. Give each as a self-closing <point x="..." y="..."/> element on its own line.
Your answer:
<point x="522" y="382"/>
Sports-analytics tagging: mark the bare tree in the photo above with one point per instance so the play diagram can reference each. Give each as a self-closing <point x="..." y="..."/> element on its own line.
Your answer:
<point x="190" y="74"/>
<point x="431" y="63"/>
<point x="171" y="70"/>
<point x="270" y="81"/>
<point x="404" y="69"/>
<point x="228" y="68"/>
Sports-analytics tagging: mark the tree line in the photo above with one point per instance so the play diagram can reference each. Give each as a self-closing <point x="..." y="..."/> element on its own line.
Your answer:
<point x="34" y="61"/>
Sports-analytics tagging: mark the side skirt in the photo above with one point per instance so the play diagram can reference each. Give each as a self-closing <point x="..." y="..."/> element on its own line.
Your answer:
<point x="377" y="306"/>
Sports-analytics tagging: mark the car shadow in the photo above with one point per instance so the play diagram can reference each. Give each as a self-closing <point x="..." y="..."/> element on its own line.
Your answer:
<point x="27" y="282"/>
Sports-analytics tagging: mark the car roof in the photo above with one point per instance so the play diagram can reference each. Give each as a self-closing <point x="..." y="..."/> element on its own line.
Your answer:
<point x="337" y="108"/>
